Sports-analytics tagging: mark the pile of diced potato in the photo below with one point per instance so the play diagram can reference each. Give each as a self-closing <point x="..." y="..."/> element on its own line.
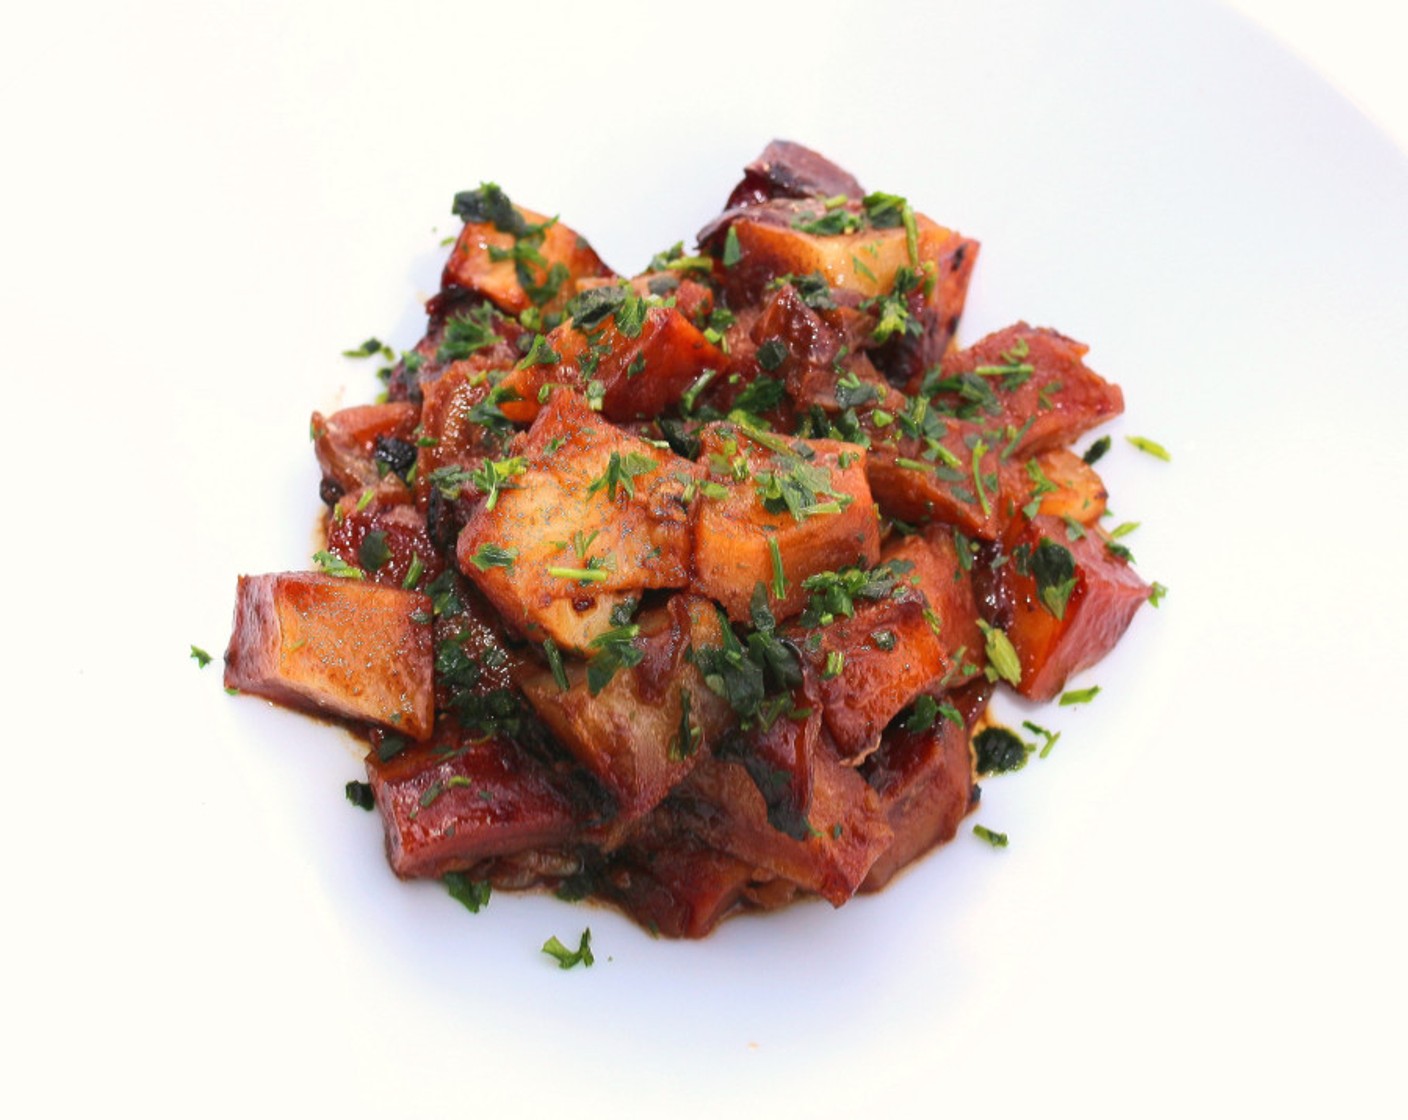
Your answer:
<point x="688" y="591"/>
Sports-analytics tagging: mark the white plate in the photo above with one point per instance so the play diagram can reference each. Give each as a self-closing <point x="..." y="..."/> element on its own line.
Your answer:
<point x="1200" y="901"/>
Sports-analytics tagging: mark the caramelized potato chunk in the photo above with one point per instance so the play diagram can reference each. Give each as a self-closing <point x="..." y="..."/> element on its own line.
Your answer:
<point x="642" y="365"/>
<point x="1063" y="603"/>
<point x="488" y="259"/>
<point x="594" y="516"/>
<point x="447" y="809"/>
<point x="644" y="729"/>
<point x="777" y="514"/>
<point x="342" y="647"/>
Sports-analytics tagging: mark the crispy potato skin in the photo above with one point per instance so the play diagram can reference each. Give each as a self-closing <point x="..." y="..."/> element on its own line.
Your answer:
<point x="336" y="646"/>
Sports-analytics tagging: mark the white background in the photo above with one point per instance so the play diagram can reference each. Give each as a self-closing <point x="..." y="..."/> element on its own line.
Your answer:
<point x="1200" y="912"/>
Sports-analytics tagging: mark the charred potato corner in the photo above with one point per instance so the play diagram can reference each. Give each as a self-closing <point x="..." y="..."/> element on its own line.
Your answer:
<point x="688" y="591"/>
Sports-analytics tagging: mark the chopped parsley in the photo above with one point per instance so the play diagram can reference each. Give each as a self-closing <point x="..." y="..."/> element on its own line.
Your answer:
<point x="1079" y="696"/>
<point x="996" y="750"/>
<point x="615" y="649"/>
<point x="1003" y="662"/>
<point x="334" y="565"/>
<point x="1054" y="568"/>
<point x="200" y="657"/>
<point x="373" y="553"/>
<point x="467" y="333"/>
<point x="1096" y="451"/>
<point x="1149" y="447"/>
<point x="622" y="472"/>
<point x="996" y="839"/>
<point x="571" y="958"/>
<point x="473" y="893"/>
<point x="799" y="488"/>
<point x="490" y="555"/>
<point x="360" y="795"/>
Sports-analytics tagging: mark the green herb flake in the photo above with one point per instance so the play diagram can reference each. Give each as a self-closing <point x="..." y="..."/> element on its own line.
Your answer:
<point x="1096" y="451"/>
<point x="622" y="472"/>
<point x="1149" y="447"/>
<point x="492" y="477"/>
<point x="369" y="348"/>
<point x="996" y="750"/>
<point x="569" y="958"/>
<point x="1003" y="662"/>
<point x="1054" y="568"/>
<point x="615" y="649"/>
<point x="1079" y="696"/>
<point x="1157" y="593"/>
<point x="490" y="555"/>
<point x="360" y="795"/>
<point x="334" y="565"/>
<point x="473" y="893"/>
<point x="772" y="353"/>
<point x="779" y="577"/>
<point x="373" y="553"/>
<point x="554" y="656"/>
<point x="732" y="250"/>
<point x="1049" y="737"/>
<point x="996" y="839"/>
<point x="200" y="657"/>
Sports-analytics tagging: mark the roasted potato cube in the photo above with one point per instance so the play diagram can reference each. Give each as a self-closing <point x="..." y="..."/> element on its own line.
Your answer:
<point x="643" y="731"/>
<point x="936" y="569"/>
<point x="641" y="373"/>
<point x="790" y="170"/>
<point x="872" y="665"/>
<point x="447" y="809"/>
<point x="786" y="510"/>
<point x="958" y="482"/>
<point x="1064" y="486"/>
<point x="848" y="832"/>
<point x="342" y="647"/>
<point x="675" y="887"/>
<point x="346" y="444"/>
<point x="925" y="782"/>
<point x="1033" y="381"/>
<point x="387" y="542"/>
<point x="594" y="516"/>
<point x="1063" y="603"/>
<point x="489" y="259"/>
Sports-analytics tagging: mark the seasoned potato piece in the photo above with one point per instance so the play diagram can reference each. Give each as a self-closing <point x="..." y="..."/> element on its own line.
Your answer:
<point x="346" y="444"/>
<point x="925" y="782"/>
<point x="1063" y="603"/>
<point x="387" y="542"/>
<point x="872" y="665"/>
<point x="863" y="261"/>
<point x="674" y="886"/>
<point x="944" y="578"/>
<point x="631" y="732"/>
<point x="790" y="170"/>
<point x="959" y="483"/>
<point x="642" y="363"/>
<point x="338" y="646"/>
<point x="1079" y="493"/>
<point x="848" y="831"/>
<point x="801" y="505"/>
<point x="1036" y="384"/>
<point x="489" y="258"/>
<point x="594" y="516"/>
<point x="451" y="804"/>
